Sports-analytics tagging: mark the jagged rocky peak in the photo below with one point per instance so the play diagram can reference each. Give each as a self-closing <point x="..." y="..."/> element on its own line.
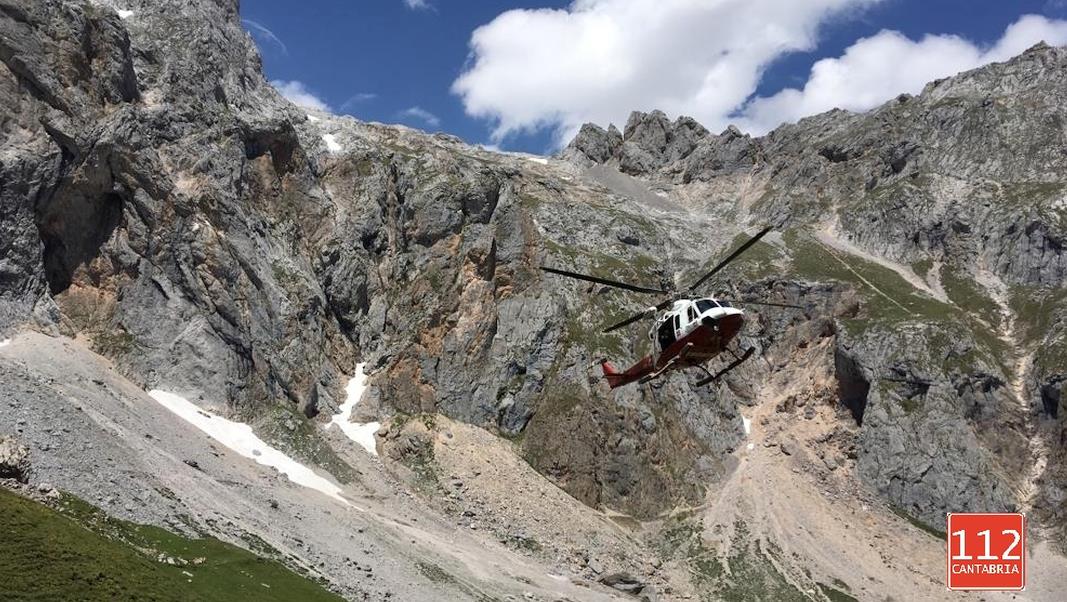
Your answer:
<point x="652" y="134"/>
<point x="651" y="143"/>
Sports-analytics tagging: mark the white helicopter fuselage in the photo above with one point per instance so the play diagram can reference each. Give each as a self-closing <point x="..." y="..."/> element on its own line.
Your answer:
<point x="685" y="316"/>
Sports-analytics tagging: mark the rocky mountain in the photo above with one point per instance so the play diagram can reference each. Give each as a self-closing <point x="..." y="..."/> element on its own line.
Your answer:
<point x="166" y="214"/>
<point x="946" y="210"/>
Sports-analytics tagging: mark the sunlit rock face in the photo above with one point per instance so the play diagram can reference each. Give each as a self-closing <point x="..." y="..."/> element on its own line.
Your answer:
<point x="161" y="200"/>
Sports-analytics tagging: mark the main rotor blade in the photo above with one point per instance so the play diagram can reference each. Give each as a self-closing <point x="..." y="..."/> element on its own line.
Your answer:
<point x="730" y="258"/>
<point x="648" y="312"/>
<point x="772" y="304"/>
<point x="625" y="322"/>
<point x="606" y="282"/>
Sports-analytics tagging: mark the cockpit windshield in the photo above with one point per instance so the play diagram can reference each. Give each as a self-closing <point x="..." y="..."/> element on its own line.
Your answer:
<point x="705" y="304"/>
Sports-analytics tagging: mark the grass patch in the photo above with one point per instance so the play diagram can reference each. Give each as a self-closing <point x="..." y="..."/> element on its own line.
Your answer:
<point x="638" y="268"/>
<point x="890" y="390"/>
<point x="114" y="343"/>
<point x="421" y="459"/>
<point x="834" y="594"/>
<point x="298" y="437"/>
<point x="286" y="278"/>
<point x="746" y="573"/>
<point x="813" y="261"/>
<point x="1041" y="313"/>
<point x="1037" y="308"/>
<point x="922" y="267"/>
<point x="434" y="573"/>
<point x="933" y="532"/>
<point x="527" y="543"/>
<point x="80" y="553"/>
<point x="585" y="328"/>
<point x="968" y="296"/>
<point x="759" y="261"/>
<point x="1030" y="193"/>
<point x="753" y="576"/>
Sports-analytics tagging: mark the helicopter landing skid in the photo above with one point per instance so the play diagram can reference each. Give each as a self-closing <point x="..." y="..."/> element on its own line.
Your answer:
<point x="714" y="377"/>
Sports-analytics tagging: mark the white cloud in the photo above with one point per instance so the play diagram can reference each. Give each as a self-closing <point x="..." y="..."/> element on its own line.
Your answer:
<point x="421" y="114"/>
<point x="356" y="99"/>
<point x="297" y="93"/>
<point x="417" y="4"/>
<point x="260" y="31"/>
<point x="599" y="59"/>
<point x="882" y="66"/>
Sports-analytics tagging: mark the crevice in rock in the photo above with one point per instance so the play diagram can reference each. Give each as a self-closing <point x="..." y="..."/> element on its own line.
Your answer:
<point x="1050" y="399"/>
<point x="834" y="154"/>
<point x="73" y="228"/>
<point x="281" y="144"/>
<point x="852" y="384"/>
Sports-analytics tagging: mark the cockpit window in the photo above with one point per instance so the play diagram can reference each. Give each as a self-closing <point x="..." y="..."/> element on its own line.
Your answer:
<point x="705" y="304"/>
<point x="724" y="303"/>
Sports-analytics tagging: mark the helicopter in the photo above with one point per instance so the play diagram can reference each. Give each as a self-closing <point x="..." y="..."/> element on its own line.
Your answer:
<point x="692" y="331"/>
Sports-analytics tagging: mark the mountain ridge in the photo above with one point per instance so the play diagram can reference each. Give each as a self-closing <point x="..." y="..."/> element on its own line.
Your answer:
<point x="171" y="210"/>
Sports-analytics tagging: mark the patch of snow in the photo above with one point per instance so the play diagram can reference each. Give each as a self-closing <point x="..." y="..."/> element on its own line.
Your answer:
<point x="240" y="438"/>
<point x="361" y="433"/>
<point x="536" y="159"/>
<point x="747" y="424"/>
<point x="313" y="119"/>
<point x="750" y="446"/>
<point x="331" y="143"/>
<point x="124" y="14"/>
<point x="5" y="342"/>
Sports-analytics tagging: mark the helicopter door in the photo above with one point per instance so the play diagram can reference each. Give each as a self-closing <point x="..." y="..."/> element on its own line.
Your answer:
<point x="665" y="336"/>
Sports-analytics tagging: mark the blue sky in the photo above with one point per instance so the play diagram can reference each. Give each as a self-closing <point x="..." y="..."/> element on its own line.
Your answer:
<point x="537" y="75"/>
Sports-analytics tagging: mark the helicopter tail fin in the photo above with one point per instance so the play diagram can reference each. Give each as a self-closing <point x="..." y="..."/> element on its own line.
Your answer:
<point x="611" y="373"/>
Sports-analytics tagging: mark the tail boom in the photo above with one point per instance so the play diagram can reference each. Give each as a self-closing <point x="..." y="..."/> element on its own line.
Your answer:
<point x="632" y="374"/>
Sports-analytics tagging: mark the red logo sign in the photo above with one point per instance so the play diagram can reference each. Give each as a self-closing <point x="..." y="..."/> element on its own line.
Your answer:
<point x="986" y="551"/>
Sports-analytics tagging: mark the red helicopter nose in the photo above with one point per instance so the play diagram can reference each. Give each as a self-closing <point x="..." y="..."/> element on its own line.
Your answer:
<point x="727" y="326"/>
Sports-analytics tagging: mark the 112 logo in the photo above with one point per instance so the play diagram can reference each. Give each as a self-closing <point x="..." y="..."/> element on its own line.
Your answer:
<point x="986" y="551"/>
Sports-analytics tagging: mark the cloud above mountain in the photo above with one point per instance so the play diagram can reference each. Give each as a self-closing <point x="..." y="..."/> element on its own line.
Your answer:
<point x="597" y="60"/>
<point x="882" y="66"/>
<point x="299" y="94"/>
<point x="420" y="114"/>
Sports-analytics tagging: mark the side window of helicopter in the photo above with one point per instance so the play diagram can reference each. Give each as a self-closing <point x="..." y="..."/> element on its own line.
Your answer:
<point x="704" y="305"/>
<point x="666" y="334"/>
<point x="692" y="314"/>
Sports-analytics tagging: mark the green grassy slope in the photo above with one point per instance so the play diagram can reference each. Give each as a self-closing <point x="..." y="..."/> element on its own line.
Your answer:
<point x="81" y="554"/>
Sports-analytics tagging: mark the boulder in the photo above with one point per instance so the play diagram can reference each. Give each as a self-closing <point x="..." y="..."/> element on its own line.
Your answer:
<point x="14" y="460"/>
<point x="623" y="581"/>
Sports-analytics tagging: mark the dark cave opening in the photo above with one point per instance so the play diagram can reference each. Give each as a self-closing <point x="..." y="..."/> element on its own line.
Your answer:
<point x="1050" y="399"/>
<point x="852" y="385"/>
<point x="73" y="229"/>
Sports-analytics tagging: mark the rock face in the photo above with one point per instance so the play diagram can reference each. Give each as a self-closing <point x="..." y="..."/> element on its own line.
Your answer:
<point x="138" y="212"/>
<point x="946" y="211"/>
<point x="160" y="199"/>
<point x="14" y="460"/>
